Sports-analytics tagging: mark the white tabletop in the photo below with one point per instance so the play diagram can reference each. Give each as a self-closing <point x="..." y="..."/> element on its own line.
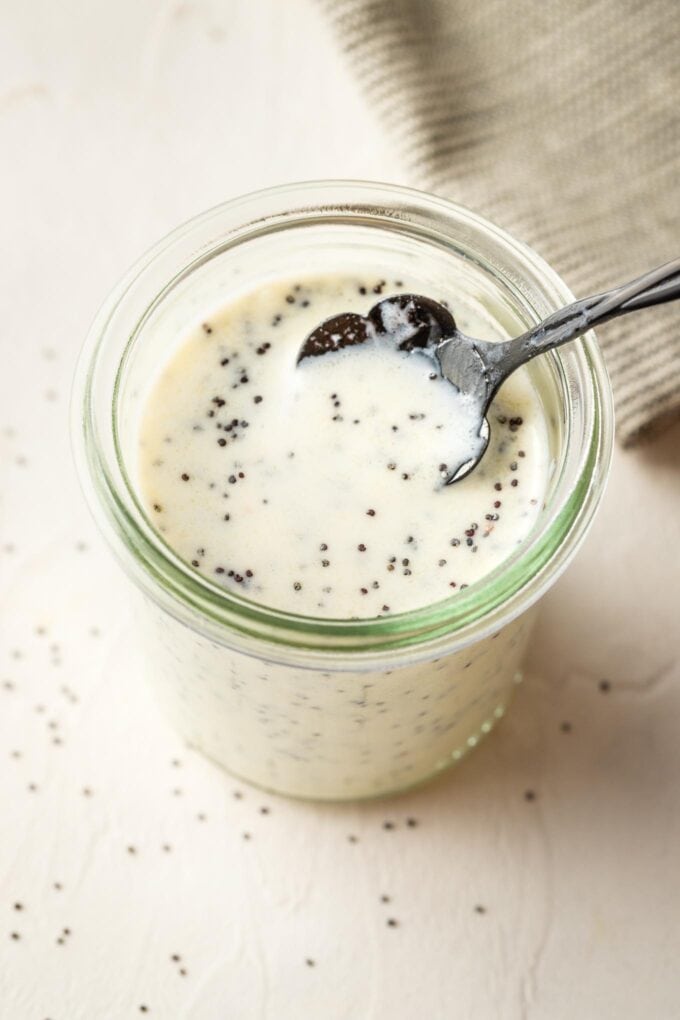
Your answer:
<point x="119" y="848"/>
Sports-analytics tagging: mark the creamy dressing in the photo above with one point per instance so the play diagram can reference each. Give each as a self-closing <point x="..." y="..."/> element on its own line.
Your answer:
<point x="318" y="489"/>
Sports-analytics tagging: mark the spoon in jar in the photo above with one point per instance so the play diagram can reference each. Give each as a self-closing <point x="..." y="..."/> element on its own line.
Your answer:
<point x="477" y="368"/>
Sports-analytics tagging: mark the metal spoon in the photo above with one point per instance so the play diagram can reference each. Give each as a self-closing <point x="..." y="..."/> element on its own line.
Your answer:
<point x="477" y="368"/>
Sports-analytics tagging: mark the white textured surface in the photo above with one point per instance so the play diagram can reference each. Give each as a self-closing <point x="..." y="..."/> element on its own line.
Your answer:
<point x="116" y="122"/>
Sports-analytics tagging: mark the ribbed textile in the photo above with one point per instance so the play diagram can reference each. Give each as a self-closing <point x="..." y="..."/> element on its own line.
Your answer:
<point x="560" y="121"/>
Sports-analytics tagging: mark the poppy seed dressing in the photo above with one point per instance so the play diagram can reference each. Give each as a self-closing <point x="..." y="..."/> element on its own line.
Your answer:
<point x="313" y="482"/>
<point x="318" y="488"/>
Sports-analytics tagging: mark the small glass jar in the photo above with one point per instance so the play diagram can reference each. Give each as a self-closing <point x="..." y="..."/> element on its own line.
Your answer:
<point x="309" y="707"/>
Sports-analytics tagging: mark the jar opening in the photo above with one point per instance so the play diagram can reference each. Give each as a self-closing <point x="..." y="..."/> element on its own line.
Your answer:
<point x="241" y="242"/>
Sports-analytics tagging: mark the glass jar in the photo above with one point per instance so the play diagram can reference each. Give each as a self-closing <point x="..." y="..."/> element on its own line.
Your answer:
<point x="334" y="708"/>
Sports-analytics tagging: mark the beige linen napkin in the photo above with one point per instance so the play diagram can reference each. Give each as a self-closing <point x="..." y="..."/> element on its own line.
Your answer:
<point x="558" y="119"/>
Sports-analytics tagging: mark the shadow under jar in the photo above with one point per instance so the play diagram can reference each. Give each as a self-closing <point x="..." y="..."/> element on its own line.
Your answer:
<point x="308" y="706"/>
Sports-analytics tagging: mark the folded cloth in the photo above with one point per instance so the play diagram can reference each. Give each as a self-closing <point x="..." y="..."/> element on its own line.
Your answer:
<point x="560" y="121"/>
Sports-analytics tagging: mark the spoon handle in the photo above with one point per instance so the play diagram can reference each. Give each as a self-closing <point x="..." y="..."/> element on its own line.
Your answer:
<point x="656" y="287"/>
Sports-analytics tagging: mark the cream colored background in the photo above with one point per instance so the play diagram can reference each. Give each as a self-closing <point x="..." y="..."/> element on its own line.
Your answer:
<point x="116" y="122"/>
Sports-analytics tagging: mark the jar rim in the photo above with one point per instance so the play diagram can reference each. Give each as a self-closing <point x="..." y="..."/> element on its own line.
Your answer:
<point x="229" y="618"/>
